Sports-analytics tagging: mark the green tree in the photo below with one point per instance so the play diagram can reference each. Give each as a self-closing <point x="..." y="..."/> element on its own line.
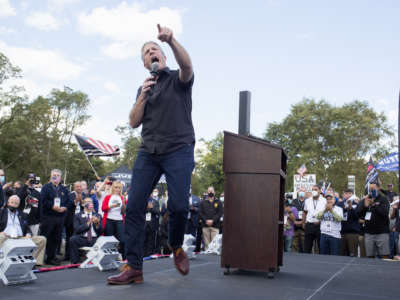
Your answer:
<point x="208" y="170"/>
<point x="131" y="141"/>
<point x="333" y="141"/>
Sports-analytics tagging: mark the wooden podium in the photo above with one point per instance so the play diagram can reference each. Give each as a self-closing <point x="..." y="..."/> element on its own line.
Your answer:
<point x="255" y="172"/>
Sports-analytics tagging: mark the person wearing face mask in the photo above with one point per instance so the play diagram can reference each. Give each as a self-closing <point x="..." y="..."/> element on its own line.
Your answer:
<point x="350" y="224"/>
<point x="210" y="212"/>
<point x="311" y="224"/>
<point x="152" y="223"/>
<point x="55" y="200"/>
<point x="87" y="227"/>
<point x="193" y="216"/>
<point x="298" y="237"/>
<point x="2" y="183"/>
<point x="14" y="224"/>
<point x="374" y="209"/>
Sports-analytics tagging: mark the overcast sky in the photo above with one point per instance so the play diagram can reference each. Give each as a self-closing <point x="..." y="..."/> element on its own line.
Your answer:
<point x="280" y="50"/>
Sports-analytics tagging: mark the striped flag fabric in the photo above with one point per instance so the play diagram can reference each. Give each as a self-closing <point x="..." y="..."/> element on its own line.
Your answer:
<point x="302" y="170"/>
<point x="92" y="147"/>
<point x="372" y="175"/>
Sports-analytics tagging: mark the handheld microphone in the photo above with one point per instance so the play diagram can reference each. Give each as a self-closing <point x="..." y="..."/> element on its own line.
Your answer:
<point x="154" y="73"/>
<point x="154" y="69"/>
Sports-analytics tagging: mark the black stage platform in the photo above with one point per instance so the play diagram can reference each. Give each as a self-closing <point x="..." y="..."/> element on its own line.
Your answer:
<point x="302" y="277"/>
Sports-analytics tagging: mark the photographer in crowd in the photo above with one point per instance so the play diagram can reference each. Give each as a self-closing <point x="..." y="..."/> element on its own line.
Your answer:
<point x="30" y="202"/>
<point x="374" y="209"/>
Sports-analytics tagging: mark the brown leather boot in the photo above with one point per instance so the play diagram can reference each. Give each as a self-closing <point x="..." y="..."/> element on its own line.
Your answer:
<point x="181" y="261"/>
<point x="128" y="275"/>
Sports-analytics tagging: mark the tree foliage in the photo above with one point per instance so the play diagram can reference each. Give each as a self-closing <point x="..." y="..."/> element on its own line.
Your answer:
<point x="333" y="141"/>
<point x="208" y="170"/>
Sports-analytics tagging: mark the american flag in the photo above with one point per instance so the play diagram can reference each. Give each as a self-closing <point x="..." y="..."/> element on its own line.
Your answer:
<point x="93" y="147"/>
<point x="302" y="170"/>
<point x="372" y="175"/>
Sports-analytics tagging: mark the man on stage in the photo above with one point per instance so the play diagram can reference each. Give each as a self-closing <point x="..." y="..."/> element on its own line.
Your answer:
<point x="163" y="107"/>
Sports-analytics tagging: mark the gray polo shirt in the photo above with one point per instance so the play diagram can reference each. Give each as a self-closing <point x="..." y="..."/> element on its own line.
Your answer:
<point x="167" y="120"/>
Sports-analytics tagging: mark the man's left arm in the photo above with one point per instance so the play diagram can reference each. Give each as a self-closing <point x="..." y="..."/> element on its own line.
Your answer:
<point x="182" y="57"/>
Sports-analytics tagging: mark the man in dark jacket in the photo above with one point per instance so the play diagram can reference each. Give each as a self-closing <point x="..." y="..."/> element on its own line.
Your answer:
<point x="350" y="224"/>
<point x="30" y="202"/>
<point x="374" y="209"/>
<point x="14" y="224"/>
<point x="55" y="200"/>
<point x="193" y="216"/>
<point x="210" y="212"/>
<point x="152" y="223"/>
<point x="87" y="227"/>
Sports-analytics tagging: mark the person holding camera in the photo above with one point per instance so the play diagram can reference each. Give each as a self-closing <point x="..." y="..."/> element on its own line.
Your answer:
<point x="374" y="210"/>
<point x="87" y="228"/>
<point x="30" y="202"/>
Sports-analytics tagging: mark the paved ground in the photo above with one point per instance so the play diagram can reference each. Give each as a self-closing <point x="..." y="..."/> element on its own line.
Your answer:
<point x="302" y="277"/>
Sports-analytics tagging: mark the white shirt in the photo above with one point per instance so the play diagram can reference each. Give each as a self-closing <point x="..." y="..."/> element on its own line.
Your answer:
<point x="329" y="226"/>
<point x="13" y="228"/>
<point x="115" y="212"/>
<point x="89" y="215"/>
<point x="312" y="207"/>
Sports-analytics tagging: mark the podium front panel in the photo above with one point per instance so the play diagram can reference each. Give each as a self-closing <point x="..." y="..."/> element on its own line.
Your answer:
<point x="251" y="225"/>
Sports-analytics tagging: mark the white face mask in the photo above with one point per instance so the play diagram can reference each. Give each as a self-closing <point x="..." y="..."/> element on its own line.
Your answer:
<point x="155" y="195"/>
<point x="315" y="193"/>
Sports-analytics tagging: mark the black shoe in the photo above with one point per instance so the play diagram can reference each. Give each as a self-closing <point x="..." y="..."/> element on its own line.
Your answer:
<point x="52" y="262"/>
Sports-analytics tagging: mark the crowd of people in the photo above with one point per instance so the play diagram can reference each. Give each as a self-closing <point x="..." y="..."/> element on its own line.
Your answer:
<point x="59" y="220"/>
<point x="329" y="223"/>
<point x="314" y="222"/>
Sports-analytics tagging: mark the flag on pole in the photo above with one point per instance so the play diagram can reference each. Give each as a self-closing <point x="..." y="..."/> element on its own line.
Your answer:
<point x="93" y="147"/>
<point x="372" y="175"/>
<point x="302" y="170"/>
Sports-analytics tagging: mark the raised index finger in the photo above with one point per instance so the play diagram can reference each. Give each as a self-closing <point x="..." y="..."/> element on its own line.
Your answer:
<point x="159" y="28"/>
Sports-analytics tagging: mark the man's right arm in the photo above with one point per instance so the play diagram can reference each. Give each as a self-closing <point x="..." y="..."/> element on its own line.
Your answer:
<point x="137" y="112"/>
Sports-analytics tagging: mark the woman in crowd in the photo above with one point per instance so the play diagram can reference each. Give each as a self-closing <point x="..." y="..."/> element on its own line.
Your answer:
<point x="113" y="207"/>
<point x="331" y="217"/>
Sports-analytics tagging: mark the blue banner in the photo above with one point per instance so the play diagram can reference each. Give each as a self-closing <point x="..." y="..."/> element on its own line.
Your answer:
<point x="389" y="163"/>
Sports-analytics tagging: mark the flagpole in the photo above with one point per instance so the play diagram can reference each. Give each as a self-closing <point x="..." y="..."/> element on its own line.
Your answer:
<point x="398" y="141"/>
<point x="95" y="173"/>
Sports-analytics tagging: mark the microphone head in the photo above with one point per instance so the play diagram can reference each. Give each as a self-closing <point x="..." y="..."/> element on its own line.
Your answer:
<point x="154" y="67"/>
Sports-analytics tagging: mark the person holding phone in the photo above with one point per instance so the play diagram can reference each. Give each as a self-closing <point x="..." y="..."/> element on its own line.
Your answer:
<point x="87" y="226"/>
<point x="113" y="208"/>
<point x="374" y="209"/>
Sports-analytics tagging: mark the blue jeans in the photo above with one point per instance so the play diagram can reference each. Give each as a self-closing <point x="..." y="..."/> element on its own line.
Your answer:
<point x="287" y="243"/>
<point x="393" y="240"/>
<point x="329" y="245"/>
<point x="148" y="168"/>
